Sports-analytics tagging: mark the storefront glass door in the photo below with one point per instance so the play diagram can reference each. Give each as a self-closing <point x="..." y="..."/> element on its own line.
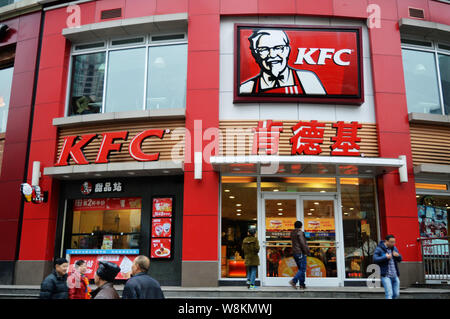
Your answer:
<point x="320" y="224"/>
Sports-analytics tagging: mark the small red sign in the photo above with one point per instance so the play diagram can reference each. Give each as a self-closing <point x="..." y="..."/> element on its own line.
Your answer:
<point x="162" y="207"/>
<point x="161" y="227"/>
<point x="161" y="248"/>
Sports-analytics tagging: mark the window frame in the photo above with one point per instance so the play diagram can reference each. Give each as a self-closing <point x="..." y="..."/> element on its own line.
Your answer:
<point x="436" y="50"/>
<point x="107" y="47"/>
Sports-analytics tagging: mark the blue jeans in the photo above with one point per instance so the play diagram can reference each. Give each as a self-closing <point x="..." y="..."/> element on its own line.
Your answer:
<point x="251" y="274"/>
<point x="391" y="287"/>
<point x="300" y="260"/>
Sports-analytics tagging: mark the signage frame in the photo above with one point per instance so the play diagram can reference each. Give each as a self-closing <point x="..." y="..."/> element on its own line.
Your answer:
<point x="332" y="99"/>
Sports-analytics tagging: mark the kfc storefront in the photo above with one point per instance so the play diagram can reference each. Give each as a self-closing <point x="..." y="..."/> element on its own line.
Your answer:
<point x="175" y="128"/>
<point x="299" y="142"/>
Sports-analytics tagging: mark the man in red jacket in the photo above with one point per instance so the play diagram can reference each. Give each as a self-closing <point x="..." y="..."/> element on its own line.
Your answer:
<point x="78" y="283"/>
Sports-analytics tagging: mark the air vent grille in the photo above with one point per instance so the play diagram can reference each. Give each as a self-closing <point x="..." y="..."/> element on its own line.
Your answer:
<point x="110" y="14"/>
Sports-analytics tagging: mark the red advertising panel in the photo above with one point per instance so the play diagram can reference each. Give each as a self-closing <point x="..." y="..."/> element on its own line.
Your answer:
<point x="160" y="248"/>
<point x="123" y="261"/>
<point x="162" y="207"/>
<point x="296" y="63"/>
<point x="161" y="227"/>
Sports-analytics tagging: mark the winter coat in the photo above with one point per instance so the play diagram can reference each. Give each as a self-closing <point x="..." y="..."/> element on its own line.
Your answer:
<point x="379" y="258"/>
<point x="299" y="244"/>
<point x="54" y="287"/>
<point x="250" y="246"/>
<point x="78" y="286"/>
<point x="106" y="291"/>
<point x="142" y="286"/>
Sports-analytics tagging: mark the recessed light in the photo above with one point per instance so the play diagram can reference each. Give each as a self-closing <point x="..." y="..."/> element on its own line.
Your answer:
<point x="166" y="171"/>
<point x="66" y="176"/>
<point x="316" y="203"/>
<point x="97" y="174"/>
<point x="280" y="209"/>
<point x="345" y="213"/>
<point x="238" y="205"/>
<point x="232" y="197"/>
<point x="281" y="214"/>
<point x="417" y="196"/>
<point x="351" y="208"/>
<point x="239" y="210"/>
<point x="309" y="214"/>
<point x="238" y="214"/>
<point x="253" y="218"/>
<point x="275" y="190"/>
<point x="131" y="173"/>
<point x="226" y="190"/>
<point x="279" y="204"/>
<point x="323" y="191"/>
<point x="311" y="209"/>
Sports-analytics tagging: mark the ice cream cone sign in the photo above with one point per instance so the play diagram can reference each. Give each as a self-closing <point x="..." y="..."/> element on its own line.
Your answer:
<point x="26" y="191"/>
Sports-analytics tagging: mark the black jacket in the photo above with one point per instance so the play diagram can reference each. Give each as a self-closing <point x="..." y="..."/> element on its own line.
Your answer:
<point x="54" y="287"/>
<point x="142" y="286"/>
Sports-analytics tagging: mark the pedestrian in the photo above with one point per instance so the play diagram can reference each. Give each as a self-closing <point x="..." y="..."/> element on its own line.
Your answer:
<point x="103" y="279"/>
<point x="300" y="251"/>
<point x="78" y="283"/>
<point x="141" y="285"/>
<point x="387" y="257"/>
<point x="54" y="285"/>
<point x="250" y="246"/>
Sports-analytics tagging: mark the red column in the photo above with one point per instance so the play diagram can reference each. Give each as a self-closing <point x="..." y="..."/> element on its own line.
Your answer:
<point x="39" y="221"/>
<point x="397" y="201"/>
<point x="25" y="34"/>
<point x="201" y="218"/>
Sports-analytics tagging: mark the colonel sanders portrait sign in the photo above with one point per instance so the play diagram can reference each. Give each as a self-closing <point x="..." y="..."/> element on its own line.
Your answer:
<point x="296" y="63"/>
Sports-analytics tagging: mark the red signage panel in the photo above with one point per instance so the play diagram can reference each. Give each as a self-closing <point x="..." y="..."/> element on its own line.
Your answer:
<point x="298" y="63"/>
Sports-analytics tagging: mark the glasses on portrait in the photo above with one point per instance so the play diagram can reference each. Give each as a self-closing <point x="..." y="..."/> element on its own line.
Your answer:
<point x="264" y="51"/>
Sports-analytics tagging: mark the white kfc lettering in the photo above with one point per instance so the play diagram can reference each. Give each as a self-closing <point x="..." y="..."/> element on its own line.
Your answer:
<point x="325" y="53"/>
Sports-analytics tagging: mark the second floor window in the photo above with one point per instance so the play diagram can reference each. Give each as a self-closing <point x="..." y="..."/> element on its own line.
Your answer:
<point x="426" y="68"/>
<point x="128" y="74"/>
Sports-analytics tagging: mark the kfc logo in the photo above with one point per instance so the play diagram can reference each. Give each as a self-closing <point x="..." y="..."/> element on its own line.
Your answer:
<point x="271" y="51"/>
<point x="291" y="64"/>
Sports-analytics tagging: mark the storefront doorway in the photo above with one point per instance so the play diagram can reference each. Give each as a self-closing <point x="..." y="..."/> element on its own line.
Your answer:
<point x="320" y="219"/>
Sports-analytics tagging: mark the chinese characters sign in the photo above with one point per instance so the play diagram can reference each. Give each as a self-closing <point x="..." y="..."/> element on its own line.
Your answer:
<point x="101" y="187"/>
<point x="161" y="243"/>
<point x="294" y="63"/>
<point x="307" y="138"/>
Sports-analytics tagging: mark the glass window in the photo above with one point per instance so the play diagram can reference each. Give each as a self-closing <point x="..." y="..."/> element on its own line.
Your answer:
<point x="444" y="69"/>
<point x="125" y="82"/>
<point x="88" y="74"/>
<point x="433" y="212"/>
<point x="239" y="212"/>
<point x="106" y="223"/>
<point x="422" y="88"/>
<point x="6" y="2"/>
<point x="167" y="76"/>
<point x="359" y="225"/>
<point x="6" y="76"/>
<point x="298" y="184"/>
<point x="5" y="92"/>
<point x="132" y="78"/>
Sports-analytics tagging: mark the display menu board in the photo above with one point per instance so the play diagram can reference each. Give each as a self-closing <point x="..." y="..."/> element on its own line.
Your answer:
<point x="92" y="261"/>
<point x="161" y="242"/>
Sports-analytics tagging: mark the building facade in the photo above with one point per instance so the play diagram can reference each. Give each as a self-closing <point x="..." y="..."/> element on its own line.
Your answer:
<point x="169" y="128"/>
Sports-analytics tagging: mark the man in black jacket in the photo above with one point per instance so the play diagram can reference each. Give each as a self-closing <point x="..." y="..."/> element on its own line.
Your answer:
<point x="54" y="285"/>
<point x="141" y="285"/>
